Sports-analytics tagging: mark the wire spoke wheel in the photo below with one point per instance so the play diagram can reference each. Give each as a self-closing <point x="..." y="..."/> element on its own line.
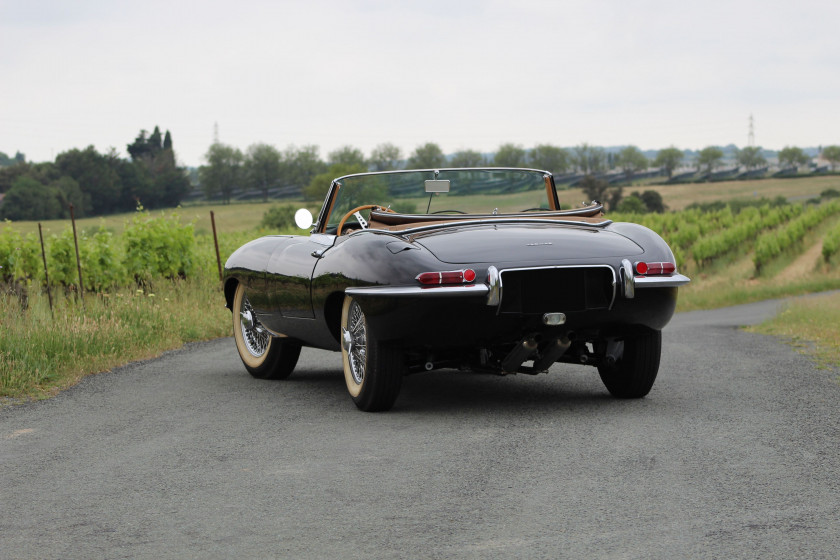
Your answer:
<point x="265" y="356"/>
<point x="256" y="338"/>
<point x="358" y="346"/>
<point x="372" y="370"/>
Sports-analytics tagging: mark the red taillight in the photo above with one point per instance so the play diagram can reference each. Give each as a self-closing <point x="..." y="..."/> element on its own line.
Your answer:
<point x="447" y="277"/>
<point x="655" y="268"/>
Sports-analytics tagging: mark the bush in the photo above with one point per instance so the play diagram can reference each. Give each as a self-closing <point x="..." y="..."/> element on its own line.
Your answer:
<point x="653" y="201"/>
<point x="632" y="205"/>
<point x="20" y="257"/>
<point x="158" y="247"/>
<point x="279" y="217"/>
<point x="102" y="268"/>
<point x="61" y="258"/>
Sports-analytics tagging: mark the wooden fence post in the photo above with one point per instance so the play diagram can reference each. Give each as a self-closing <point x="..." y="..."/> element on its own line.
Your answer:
<point x="46" y="273"/>
<point x="216" y="243"/>
<point x="78" y="260"/>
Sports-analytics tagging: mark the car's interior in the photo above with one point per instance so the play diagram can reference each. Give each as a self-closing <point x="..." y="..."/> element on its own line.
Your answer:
<point x="396" y="201"/>
<point x="382" y="218"/>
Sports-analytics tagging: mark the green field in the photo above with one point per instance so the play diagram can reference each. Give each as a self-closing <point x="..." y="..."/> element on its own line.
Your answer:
<point x="229" y="218"/>
<point x="246" y="216"/>
<point x="678" y="196"/>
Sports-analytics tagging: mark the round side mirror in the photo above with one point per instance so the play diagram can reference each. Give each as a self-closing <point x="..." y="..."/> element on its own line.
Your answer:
<point x="303" y="218"/>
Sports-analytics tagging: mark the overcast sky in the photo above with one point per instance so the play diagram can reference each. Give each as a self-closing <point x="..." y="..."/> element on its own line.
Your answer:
<point x="466" y="74"/>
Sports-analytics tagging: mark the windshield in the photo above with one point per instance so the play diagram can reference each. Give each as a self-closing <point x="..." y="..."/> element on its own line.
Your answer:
<point x="470" y="191"/>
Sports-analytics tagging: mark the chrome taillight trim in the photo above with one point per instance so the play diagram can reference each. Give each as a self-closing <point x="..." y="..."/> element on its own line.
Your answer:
<point x="628" y="281"/>
<point x="673" y="281"/>
<point x="494" y="284"/>
<point x="456" y="290"/>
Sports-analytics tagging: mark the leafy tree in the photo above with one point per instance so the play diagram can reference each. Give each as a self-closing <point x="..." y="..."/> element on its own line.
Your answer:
<point x="709" y="158"/>
<point x="42" y="172"/>
<point x="653" y="201"/>
<point x="602" y="191"/>
<point x="632" y="205"/>
<point x="158" y="182"/>
<point x="138" y="185"/>
<point x="630" y="160"/>
<point x="590" y="159"/>
<point x="320" y="184"/>
<point x="510" y="155"/>
<point x="638" y="203"/>
<point x="347" y="155"/>
<point x="614" y="196"/>
<point x="223" y="172"/>
<point x="467" y="158"/>
<point x="385" y="157"/>
<point x="427" y="156"/>
<point x="263" y="168"/>
<point x="669" y="159"/>
<point x="155" y="140"/>
<point x="832" y="154"/>
<point x="791" y="156"/>
<point x="97" y="176"/>
<point x="6" y="161"/>
<point x="750" y="157"/>
<point x="29" y="199"/>
<point x="70" y="193"/>
<point x="173" y="183"/>
<point x="551" y="158"/>
<point x="300" y="165"/>
<point x="143" y="147"/>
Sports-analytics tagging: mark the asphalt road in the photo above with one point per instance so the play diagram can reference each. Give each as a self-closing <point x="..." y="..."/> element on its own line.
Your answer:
<point x="734" y="454"/>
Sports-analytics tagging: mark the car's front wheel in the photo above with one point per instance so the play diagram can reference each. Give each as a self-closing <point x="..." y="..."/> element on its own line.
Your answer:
<point x="632" y="375"/>
<point x="265" y="356"/>
<point x="373" y="371"/>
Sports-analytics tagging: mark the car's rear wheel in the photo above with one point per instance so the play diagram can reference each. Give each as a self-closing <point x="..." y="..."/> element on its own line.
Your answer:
<point x="632" y="375"/>
<point x="373" y="371"/>
<point x="265" y="356"/>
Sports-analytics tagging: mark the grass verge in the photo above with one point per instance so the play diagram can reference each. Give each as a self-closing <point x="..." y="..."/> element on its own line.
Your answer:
<point x="811" y="325"/>
<point x="41" y="353"/>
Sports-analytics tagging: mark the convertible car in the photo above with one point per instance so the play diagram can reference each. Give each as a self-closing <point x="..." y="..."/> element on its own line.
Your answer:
<point x="469" y="269"/>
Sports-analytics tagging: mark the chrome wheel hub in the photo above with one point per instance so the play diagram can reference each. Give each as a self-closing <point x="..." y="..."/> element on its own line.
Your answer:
<point x="256" y="338"/>
<point x="354" y="342"/>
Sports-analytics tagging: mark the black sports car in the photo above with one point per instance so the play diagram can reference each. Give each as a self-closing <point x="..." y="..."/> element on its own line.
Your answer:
<point x="472" y="269"/>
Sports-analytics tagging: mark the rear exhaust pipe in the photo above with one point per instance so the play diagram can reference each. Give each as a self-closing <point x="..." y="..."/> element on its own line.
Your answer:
<point x="521" y="352"/>
<point x="552" y="353"/>
<point x="614" y="352"/>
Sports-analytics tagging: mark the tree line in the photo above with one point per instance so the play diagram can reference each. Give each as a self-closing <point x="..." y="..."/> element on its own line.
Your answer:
<point x="263" y="167"/>
<point x="105" y="183"/>
<point x="94" y="183"/>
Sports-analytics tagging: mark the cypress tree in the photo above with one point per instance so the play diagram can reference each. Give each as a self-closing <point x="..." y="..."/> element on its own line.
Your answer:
<point x="155" y="141"/>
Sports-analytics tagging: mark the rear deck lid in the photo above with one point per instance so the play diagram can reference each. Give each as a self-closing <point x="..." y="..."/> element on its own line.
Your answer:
<point x="503" y="243"/>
